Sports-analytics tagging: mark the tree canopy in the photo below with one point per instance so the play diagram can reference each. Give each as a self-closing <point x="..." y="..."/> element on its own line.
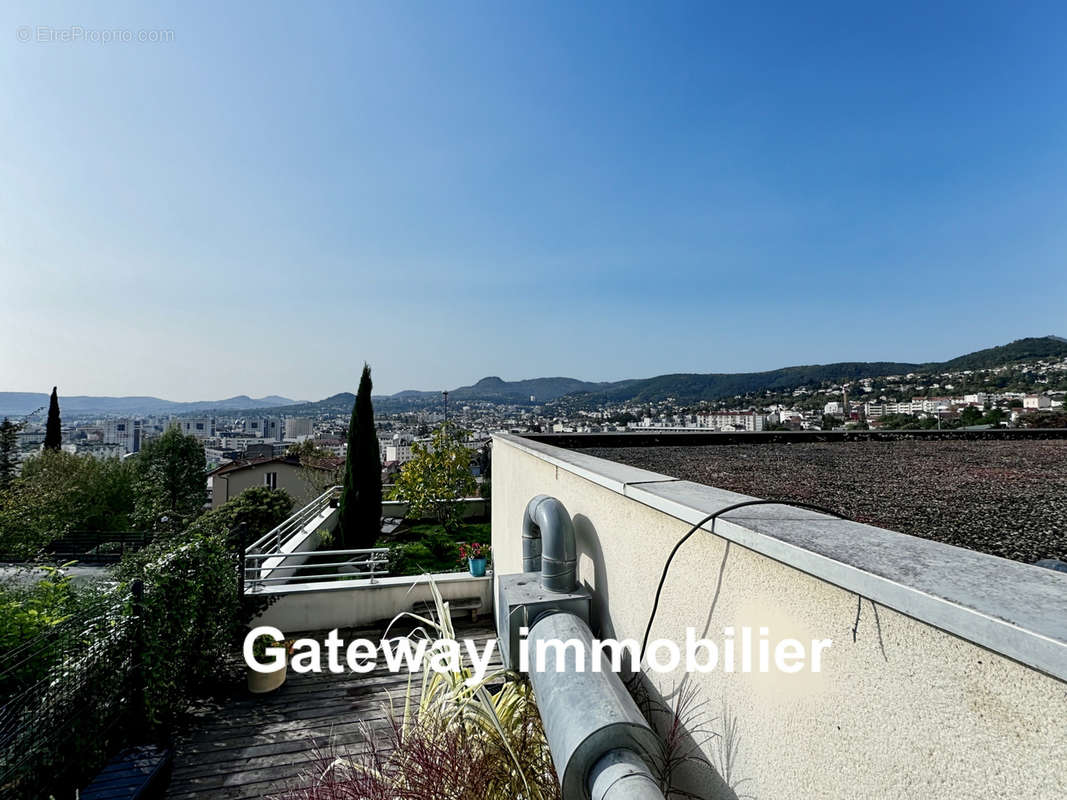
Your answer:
<point x="437" y="476"/>
<point x="60" y="493"/>
<point x="171" y="487"/>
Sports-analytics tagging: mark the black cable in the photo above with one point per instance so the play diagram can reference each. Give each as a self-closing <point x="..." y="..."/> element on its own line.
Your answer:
<point x="710" y="518"/>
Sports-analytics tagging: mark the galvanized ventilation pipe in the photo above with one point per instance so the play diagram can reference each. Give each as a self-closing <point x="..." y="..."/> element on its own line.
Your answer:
<point x="595" y="732"/>
<point x="548" y="544"/>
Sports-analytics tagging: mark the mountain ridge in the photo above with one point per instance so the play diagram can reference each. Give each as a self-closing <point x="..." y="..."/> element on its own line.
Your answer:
<point x="22" y="403"/>
<point x="690" y="387"/>
<point x="683" y="386"/>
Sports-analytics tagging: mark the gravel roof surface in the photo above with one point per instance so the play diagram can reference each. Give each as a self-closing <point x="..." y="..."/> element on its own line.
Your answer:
<point x="1008" y="499"/>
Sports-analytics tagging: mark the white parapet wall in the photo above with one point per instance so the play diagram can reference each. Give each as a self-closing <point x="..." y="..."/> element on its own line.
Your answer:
<point x="354" y="603"/>
<point x="947" y="674"/>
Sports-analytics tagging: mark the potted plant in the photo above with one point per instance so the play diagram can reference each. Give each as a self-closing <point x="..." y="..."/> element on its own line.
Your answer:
<point x="263" y="682"/>
<point x="476" y="555"/>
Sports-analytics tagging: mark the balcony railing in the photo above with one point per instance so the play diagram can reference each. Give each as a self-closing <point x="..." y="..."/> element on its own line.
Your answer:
<point x="359" y="564"/>
<point x="274" y="540"/>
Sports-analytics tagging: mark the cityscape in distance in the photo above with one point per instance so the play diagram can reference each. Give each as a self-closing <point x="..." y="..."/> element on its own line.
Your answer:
<point x="1022" y="383"/>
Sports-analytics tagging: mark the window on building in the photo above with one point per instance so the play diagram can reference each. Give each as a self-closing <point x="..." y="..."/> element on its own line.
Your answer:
<point x="200" y="426"/>
<point x="270" y="480"/>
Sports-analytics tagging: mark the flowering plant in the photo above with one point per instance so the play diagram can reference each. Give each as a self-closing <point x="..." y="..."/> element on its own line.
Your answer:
<point x="468" y="550"/>
<point x="261" y="643"/>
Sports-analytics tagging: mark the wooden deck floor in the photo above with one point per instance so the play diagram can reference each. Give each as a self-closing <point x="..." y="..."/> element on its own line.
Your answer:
<point x="245" y="746"/>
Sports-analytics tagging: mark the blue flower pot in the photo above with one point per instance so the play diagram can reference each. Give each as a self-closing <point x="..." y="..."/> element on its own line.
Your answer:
<point x="477" y="566"/>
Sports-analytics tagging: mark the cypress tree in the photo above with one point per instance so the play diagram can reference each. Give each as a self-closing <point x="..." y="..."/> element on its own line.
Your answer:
<point x="53" y="434"/>
<point x="360" y="514"/>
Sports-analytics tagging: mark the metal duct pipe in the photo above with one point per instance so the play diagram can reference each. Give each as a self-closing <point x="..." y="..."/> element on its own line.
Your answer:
<point x="548" y="544"/>
<point x="594" y="729"/>
<point x="622" y="775"/>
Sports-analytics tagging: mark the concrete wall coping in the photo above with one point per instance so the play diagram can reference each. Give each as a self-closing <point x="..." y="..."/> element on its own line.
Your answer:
<point x="1014" y="609"/>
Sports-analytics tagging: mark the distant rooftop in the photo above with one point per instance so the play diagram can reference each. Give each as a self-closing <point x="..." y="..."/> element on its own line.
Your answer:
<point x="1005" y="498"/>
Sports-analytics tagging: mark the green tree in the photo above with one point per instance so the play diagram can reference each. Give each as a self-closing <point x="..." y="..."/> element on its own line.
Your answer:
<point x="829" y="422"/>
<point x="994" y="416"/>
<point x="53" y="432"/>
<point x="171" y="484"/>
<point x="437" y="476"/>
<point x="1044" y="419"/>
<point x="8" y="451"/>
<point x="319" y="468"/>
<point x="360" y="514"/>
<point x="971" y="415"/>
<point x="259" y="509"/>
<point x="61" y="493"/>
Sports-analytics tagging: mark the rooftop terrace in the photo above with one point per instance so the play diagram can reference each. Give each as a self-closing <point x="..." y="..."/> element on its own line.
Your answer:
<point x="1005" y="498"/>
<point x="946" y="673"/>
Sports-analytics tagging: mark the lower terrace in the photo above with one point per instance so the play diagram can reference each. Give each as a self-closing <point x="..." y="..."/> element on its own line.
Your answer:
<point x="236" y="746"/>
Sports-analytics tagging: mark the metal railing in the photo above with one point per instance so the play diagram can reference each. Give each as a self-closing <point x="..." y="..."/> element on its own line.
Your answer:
<point x="98" y="545"/>
<point x="69" y="696"/>
<point x="274" y="539"/>
<point x="368" y="563"/>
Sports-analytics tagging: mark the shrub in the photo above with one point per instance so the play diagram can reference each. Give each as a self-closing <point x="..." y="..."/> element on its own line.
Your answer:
<point x="193" y="613"/>
<point x="192" y="618"/>
<point x="29" y="612"/>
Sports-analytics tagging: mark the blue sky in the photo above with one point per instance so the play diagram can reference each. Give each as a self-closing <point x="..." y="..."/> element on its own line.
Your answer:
<point x="453" y="190"/>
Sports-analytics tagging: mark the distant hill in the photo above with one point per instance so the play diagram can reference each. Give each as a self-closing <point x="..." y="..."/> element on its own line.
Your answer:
<point x="20" y="403"/>
<point x="696" y="387"/>
<point x="541" y="389"/>
<point x="1019" y="350"/>
<point x="690" y="387"/>
<point x="684" y="387"/>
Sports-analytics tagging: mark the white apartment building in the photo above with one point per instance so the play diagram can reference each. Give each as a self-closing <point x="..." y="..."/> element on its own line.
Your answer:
<point x="299" y="428"/>
<point x="264" y="427"/>
<point x="126" y="432"/>
<point x="397" y="449"/>
<point x="240" y="442"/>
<point x="1036" y="402"/>
<point x="733" y="421"/>
<point x="200" y="427"/>
<point x="96" y="450"/>
<point x="834" y="407"/>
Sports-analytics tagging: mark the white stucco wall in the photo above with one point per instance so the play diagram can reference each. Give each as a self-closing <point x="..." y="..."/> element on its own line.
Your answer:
<point x="347" y="604"/>
<point x="901" y="709"/>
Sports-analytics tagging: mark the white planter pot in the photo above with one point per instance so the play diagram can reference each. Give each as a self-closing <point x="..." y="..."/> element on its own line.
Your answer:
<point x="263" y="682"/>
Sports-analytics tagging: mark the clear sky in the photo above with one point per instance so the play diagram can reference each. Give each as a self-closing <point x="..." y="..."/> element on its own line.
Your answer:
<point x="450" y="190"/>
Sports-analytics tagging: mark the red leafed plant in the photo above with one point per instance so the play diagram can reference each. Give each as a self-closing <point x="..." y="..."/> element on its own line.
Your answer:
<point x="468" y="550"/>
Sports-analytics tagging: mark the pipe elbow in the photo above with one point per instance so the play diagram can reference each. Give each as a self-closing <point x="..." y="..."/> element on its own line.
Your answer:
<point x="548" y="544"/>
